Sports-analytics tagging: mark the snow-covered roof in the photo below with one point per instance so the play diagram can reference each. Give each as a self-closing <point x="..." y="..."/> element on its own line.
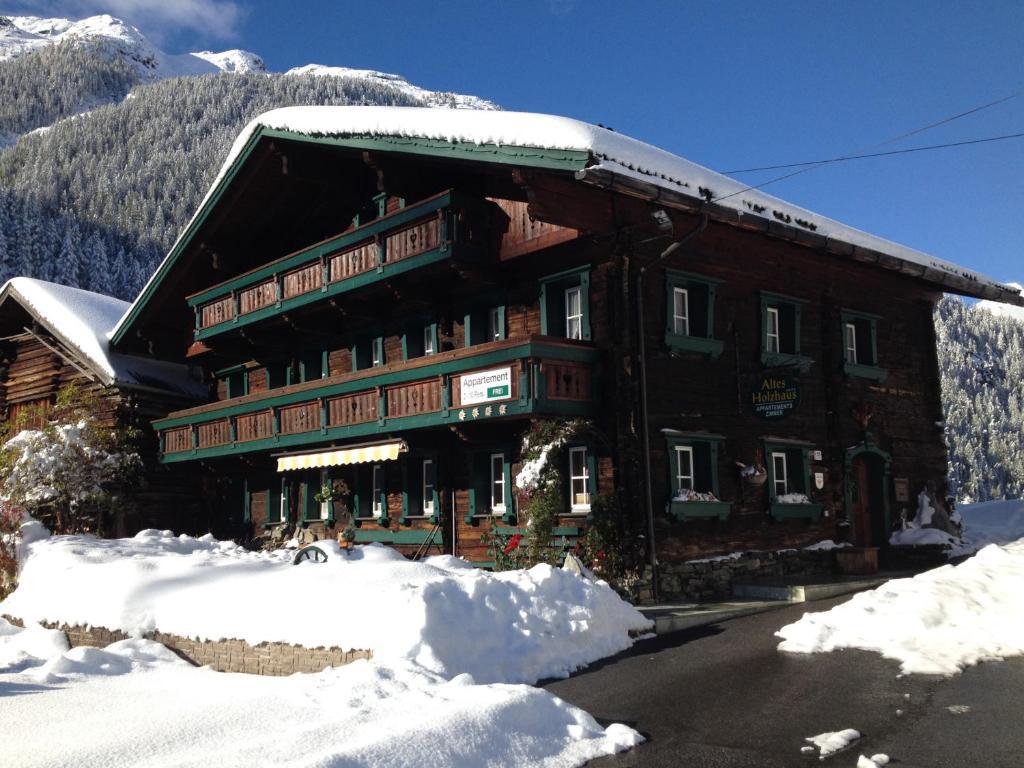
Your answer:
<point x="607" y="151"/>
<point x="83" y="321"/>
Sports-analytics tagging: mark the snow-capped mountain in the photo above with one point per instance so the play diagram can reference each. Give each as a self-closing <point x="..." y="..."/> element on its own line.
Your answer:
<point x="430" y="98"/>
<point x="24" y="34"/>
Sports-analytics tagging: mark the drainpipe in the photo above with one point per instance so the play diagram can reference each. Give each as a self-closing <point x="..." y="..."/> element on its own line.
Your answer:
<point x="645" y="431"/>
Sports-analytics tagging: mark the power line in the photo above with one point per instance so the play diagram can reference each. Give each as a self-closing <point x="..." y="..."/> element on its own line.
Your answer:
<point x="807" y="167"/>
<point x="844" y="158"/>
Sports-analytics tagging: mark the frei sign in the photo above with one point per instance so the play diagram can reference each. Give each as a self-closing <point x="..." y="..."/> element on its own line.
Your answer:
<point x="772" y="397"/>
<point x="486" y="386"/>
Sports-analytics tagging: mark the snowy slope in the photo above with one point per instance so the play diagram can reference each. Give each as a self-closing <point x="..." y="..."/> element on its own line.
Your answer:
<point x="23" y="34"/>
<point x="430" y="98"/>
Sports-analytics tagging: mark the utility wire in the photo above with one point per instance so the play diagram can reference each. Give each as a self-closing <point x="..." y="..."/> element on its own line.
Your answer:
<point x="906" y="135"/>
<point x="807" y="167"/>
<point x="844" y="158"/>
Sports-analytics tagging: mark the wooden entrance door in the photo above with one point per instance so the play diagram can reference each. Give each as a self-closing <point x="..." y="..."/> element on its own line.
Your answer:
<point x="868" y="512"/>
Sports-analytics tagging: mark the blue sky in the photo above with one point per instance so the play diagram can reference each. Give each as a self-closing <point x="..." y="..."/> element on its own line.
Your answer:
<point x="727" y="85"/>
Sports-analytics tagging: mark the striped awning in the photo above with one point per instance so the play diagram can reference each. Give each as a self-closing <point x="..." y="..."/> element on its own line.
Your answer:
<point x="358" y="455"/>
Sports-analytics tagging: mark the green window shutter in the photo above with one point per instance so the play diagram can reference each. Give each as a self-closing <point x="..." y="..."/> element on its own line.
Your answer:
<point x="673" y="468"/>
<point x="788" y="329"/>
<point x="436" y="494"/>
<point x="506" y="474"/>
<point x="247" y="502"/>
<point x="502" y="325"/>
<point x="591" y="475"/>
<point x="409" y="493"/>
<point x="310" y="487"/>
<point x="311" y="366"/>
<point x="699" y="310"/>
<point x="796" y="468"/>
<point x="585" y="303"/>
<point x="702" y="479"/>
<point x="479" y="480"/>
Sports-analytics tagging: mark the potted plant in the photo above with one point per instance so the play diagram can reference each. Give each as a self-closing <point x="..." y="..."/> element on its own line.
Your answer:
<point x="334" y="493"/>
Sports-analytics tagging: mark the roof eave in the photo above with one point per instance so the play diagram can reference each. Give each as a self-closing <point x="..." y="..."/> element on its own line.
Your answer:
<point x="655" y="193"/>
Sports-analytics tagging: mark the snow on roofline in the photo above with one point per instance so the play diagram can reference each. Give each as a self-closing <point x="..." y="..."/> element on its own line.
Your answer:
<point x="83" y="321"/>
<point x="610" y="151"/>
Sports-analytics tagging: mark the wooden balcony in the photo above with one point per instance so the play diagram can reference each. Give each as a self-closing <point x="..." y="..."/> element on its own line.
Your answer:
<point x="445" y="226"/>
<point x="502" y="379"/>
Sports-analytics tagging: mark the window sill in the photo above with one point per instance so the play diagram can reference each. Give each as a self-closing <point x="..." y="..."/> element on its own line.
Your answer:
<point x="678" y="342"/>
<point x="869" y="372"/>
<point x="786" y="360"/>
<point x="795" y="511"/>
<point x="695" y="510"/>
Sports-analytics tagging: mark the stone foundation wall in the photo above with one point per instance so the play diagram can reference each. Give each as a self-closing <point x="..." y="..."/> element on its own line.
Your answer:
<point x="222" y="655"/>
<point x="698" y="580"/>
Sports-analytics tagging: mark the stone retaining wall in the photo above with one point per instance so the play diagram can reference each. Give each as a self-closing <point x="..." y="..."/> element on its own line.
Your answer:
<point x="222" y="655"/>
<point x="702" y="580"/>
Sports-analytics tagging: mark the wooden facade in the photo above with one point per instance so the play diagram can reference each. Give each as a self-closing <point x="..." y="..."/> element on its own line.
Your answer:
<point x="37" y="362"/>
<point x="792" y="391"/>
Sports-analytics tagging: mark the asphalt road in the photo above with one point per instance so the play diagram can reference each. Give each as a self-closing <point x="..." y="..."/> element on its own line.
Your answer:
<point x="721" y="696"/>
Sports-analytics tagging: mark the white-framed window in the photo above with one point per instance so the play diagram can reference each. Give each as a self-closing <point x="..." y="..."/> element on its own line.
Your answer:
<point x="494" y="324"/>
<point x="781" y="478"/>
<point x="850" y="339"/>
<point x="574" y="312"/>
<point x="684" y="468"/>
<point x="428" y="486"/>
<point x="428" y="340"/>
<point x="771" y="341"/>
<point x="681" y="311"/>
<point x="579" y="480"/>
<point x="378" y="490"/>
<point x="498" y="483"/>
<point x="325" y="506"/>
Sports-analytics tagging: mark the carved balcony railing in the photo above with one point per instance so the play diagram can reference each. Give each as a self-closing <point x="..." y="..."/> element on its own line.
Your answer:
<point x="501" y="379"/>
<point x="445" y="226"/>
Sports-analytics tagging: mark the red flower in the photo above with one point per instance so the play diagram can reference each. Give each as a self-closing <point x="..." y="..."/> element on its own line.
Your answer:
<point x="513" y="543"/>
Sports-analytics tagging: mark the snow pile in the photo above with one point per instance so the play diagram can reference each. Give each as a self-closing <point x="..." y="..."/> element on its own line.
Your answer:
<point x="1003" y="310"/>
<point x="23" y="648"/>
<point x="993" y="522"/>
<point x="875" y="761"/>
<point x="793" y="498"/>
<point x="827" y="545"/>
<point x="916" y="537"/>
<point x="103" y="700"/>
<point x="830" y="742"/>
<point x="935" y="623"/>
<point x="514" y="626"/>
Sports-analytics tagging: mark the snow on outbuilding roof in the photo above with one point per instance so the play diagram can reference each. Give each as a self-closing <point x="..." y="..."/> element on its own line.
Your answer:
<point x="84" y="321"/>
<point x="608" y="152"/>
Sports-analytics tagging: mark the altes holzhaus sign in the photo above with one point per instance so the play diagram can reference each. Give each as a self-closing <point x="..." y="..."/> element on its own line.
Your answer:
<point x="772" y="397"/>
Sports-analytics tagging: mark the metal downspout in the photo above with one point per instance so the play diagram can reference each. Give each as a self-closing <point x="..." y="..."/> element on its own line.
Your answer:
<point x="648" y="502"/>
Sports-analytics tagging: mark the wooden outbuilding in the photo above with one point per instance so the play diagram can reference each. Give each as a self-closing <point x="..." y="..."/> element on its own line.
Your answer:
<point x="53" y="336"/>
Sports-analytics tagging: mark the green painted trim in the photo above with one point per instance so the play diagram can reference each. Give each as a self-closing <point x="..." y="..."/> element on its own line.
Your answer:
<point x="560" y="159"/>
<point x="694" y="510"/>
<point x="317" y="436"/>
<point x="565" y="530"/>
<point x="713" y="444"/>
<point x="795" y="511"/>
<point x="712" y="348"/>
<point x="560" y="281"/>
<point x="485" y="358"/>
<point x="388" y="270"/>
<point x="783" y="297"/>
<point x="312" y="254"/>
<point x="870" y="372"/>
<point x="681" y="276"/>
<point x="413" y="537"/>
<point x="784" y="360"/>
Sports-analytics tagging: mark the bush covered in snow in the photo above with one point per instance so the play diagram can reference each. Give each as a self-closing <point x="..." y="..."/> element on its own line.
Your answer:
<point x="66" y="472"/>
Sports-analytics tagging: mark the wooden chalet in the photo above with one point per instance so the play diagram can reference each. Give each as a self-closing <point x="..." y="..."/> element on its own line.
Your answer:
<point x="391" y="296"/>
<point x="52" y="336"/>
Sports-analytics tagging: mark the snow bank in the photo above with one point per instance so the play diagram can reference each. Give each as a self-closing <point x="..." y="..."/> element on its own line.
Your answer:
<point x="935" y="623"/>
<point x="514" y="626"/>
<point x="993" y="522"/>
<point x="365" y="714"/>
